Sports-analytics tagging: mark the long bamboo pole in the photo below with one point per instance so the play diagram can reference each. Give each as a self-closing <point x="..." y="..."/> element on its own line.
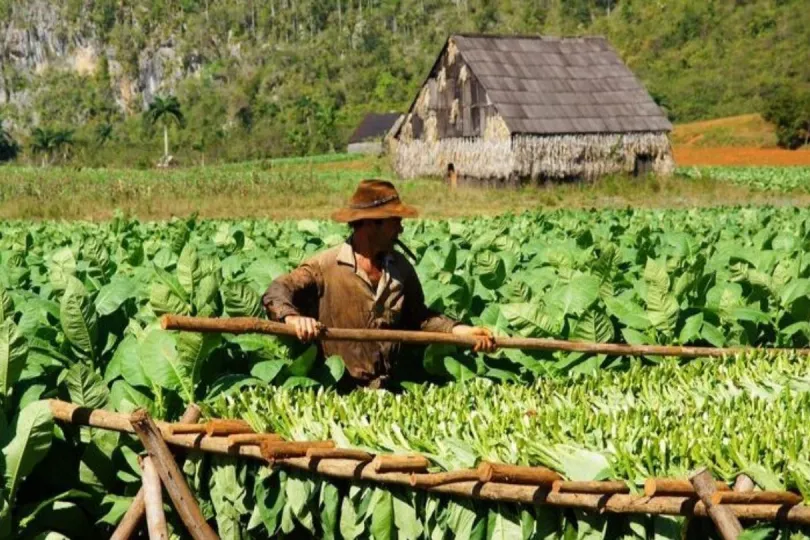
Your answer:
<point x="352" y="469"/>
<point x="248" y="325"/>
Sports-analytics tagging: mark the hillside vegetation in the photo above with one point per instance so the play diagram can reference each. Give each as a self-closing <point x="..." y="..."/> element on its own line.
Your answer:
<point x="261" y="79"/>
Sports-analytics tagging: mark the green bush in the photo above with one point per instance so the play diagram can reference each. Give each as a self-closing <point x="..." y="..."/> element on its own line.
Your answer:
<point x="788" y="107"/>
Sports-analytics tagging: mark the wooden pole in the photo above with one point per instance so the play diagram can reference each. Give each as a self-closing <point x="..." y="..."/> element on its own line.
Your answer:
<point x="153" y="499"/>
<point x="348" y="469"/>
<point x="248" y="325"/>
<point x="674" y="486"/>
<point x="603" y="488"/>
<point x="400" y="464"/>
<point x="443" y="478"/>
<point x="724" y="519"/>
<point x="171" y="476"/>
<point x="743" y="483"/>
<point x="756" y="497"/>
<point x="516" y="474"/>
<point x="129" y="523"/>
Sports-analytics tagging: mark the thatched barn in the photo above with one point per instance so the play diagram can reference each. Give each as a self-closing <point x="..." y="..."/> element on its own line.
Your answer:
<point x="514" y="109"/>
<point x="370" y="132"/>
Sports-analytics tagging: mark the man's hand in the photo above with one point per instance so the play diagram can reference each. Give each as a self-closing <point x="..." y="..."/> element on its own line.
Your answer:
<point x="306" y="328"/>
<point x="484" y="340"/>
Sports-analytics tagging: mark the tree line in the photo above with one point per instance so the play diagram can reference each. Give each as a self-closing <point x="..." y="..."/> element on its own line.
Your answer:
<point x="285" y="77"/>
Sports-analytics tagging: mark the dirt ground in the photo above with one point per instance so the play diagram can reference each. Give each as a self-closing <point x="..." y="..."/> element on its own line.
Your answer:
<point x="775" y="157"/>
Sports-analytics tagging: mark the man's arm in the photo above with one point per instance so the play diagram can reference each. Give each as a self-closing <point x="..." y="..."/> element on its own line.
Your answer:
<point x="293" y="299"/>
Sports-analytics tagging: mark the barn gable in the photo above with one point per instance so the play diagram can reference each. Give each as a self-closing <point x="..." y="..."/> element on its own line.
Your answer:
<point x="536" y="85"/>
<point x="517" y="109"/>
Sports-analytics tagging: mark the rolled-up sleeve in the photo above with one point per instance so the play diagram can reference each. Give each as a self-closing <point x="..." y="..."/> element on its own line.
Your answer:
<point x="296" y="293"/>
<point x="417" y="315"/>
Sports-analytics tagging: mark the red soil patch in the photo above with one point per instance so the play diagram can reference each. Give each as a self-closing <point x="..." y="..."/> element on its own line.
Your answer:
<point x="775" y="157"/>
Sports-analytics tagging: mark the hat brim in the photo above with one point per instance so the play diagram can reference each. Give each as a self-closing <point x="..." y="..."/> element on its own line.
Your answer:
<point x="396" y="210"/>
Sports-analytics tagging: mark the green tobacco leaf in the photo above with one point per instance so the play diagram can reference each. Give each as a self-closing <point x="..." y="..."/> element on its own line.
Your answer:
<point x="712" y="334"/>
<point x="128" y="357"/>
<point x="578" y="294"/>
<point x="6" y="305"/>
<point x="490" y="269"/>
<point x="61" y="267"/>
<point x="691" y="328"/>
<point x="502" y="525"/>
<point x="330" y="504"/>
<point x="381" y="509"/>
<point x="332" y="370"/>
<point x="628" y="312"/>
<point x="79" y="319"/>
<point x="267" y="370"/>
<point x="593" y="326"/>
<point x="193" y="350"/>
<point x="270" y="498"/>
<point x="158" y="355"/>
<point x="189" y="272"/>
<point x="33" y="431"/>
<point x="111" y="296"/>
<point x="125" y="398"/>
<point x="406" y="518"/>
<point x="301" y="366"/>
<point x="86" y="387"/>
<point x="13" y="354"/>
<point x="240" y="300"/>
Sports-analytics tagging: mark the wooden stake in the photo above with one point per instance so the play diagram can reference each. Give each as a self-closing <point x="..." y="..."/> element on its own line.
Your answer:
<point x="516" y="474"/>
<point x="756" y="497"/>
<point x="443" y="478"/>
<point x="129" y="523"/>
<point x="171" y="476"/>
<point x="724" y="519"/>
<point x="184" y="427"/>
<point x="240" y="439"/>
<point x="563" y="486"/>
<point x="398" y="463"/>
<point x="248" y="325"/>
<point x="743" y="483"/>
<point x="153" y="499"/>
<point x="674" y="486"/>
<point x="339" y="453"/>
<point x="273" y="450"/>
<point x="218" y="427"/>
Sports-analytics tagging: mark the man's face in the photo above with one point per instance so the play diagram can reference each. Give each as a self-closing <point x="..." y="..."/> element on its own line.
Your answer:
<point x="386" y="232"/>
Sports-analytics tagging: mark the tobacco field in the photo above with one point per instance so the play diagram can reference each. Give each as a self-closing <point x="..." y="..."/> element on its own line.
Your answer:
<point x="80" y="303"/>
<point x="782" y="179"/>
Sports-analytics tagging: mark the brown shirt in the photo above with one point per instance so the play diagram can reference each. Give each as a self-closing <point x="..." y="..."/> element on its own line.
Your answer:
<point x="331" y="288"/>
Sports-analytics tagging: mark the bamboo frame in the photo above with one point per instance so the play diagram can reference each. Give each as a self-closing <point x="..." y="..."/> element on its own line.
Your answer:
<point x="249" y="325"/>
<point x="351" y="469"/>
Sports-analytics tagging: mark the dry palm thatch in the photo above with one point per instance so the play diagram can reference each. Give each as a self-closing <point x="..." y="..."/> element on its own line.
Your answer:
<point x="499" y="156"/>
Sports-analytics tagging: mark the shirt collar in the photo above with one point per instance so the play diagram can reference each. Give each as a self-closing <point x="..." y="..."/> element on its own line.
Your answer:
<point x="346" y="255"/>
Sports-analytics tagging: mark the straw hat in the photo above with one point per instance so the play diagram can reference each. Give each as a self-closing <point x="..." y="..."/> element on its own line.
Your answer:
<point x="374" y="199"/>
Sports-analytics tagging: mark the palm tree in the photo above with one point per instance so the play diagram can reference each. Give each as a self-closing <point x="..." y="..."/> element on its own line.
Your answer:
<point x="165" y="110"/>
<point x="42" y="142"/>
<point x="103" y="134"/>
<point x="63" y="142"/>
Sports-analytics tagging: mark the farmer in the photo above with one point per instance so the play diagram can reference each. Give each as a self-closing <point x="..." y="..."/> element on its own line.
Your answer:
<point x="363" y="283"/>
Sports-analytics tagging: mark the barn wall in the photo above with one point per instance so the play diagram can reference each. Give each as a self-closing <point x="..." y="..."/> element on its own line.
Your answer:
<point x="533" y="158"/>
<point x="451" y="104"/>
